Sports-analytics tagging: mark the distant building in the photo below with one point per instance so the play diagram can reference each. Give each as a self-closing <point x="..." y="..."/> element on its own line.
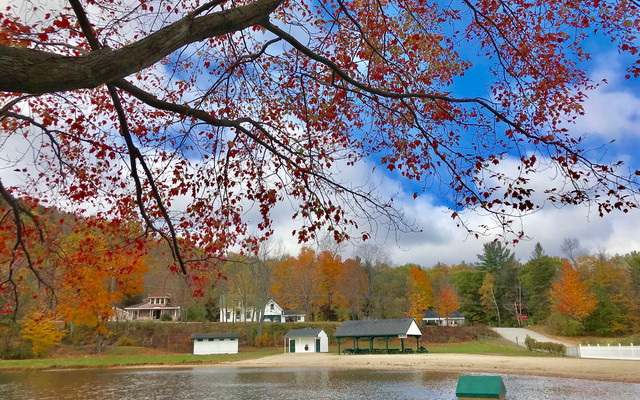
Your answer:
<point x="452" y="319"/>
<point x="272" y="313"/>
<point x="154" y="307"/>
<point x="215" y="343"/>
<point x="306" y="341"/>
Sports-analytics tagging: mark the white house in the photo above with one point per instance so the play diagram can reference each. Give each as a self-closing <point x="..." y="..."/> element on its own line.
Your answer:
<point x="272" y="313"/>
<point x="432" y="318"/>
<point x="306" y="341"/>
<point x="154" y="307"/>
<point x="215" y="343"/>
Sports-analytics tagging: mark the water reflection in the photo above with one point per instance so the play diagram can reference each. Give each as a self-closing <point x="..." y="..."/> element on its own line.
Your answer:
<point x="285" y="383"/>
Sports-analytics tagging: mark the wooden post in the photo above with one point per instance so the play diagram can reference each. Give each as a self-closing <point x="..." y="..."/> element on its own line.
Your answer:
<point x="370" y="345"/>
<point x="402" y="340"/>
<point x="338" y="346"/>
<point x="386" y="339"/>
<point x="417" y="344"/>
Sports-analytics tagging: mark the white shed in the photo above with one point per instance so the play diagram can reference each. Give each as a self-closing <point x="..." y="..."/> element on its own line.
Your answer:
<point x="306" y="341"/>
<point x="215" y="343"/>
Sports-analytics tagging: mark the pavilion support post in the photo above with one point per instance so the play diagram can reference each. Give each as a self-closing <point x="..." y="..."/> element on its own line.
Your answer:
<point x="370" y="345"/>
<point x="417" y="344"/>
<point x="402" y="340"/>
<point x="338" y="346"/>
<point x="386" y="339"/>
<point x="355" y="344"/>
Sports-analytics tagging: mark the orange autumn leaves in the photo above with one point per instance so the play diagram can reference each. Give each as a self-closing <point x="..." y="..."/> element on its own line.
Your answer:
<point x="85" y="266"/>
<point x="421" y="296"/>
<point x="95" y="277"/>
<point x="310" y="280"/>
<point x="572" y="295"/>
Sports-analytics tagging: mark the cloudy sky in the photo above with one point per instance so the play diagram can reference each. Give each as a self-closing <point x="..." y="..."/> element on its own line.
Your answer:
<point x="612" y="112"/>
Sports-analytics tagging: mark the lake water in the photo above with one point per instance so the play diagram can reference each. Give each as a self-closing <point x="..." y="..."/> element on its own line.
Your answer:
<point x="285" y="383"/>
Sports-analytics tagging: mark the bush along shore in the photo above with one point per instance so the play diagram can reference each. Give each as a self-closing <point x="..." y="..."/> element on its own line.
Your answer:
<point x="551" y="347"/>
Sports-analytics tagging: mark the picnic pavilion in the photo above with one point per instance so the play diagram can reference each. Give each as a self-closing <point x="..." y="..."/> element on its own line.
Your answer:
<point x="386" y="329"/>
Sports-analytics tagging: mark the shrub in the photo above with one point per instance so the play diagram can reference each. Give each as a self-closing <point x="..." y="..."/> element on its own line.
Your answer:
<point x="127" y="341"/>
<point x="551" y="347"/>
<point x="196" y="313"/>
<point x="563" y="325"/>
<point x="166" y="317"/>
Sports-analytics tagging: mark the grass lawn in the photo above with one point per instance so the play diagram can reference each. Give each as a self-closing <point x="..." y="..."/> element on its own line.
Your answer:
<point x="490" y="347"/>
<point x="132" y="356"/>
<point x="484" y="347"/>
<point x="122" y="360"/>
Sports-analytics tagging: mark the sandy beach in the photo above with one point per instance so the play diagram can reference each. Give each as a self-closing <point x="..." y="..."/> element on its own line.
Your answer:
<point x="579" y="368"/>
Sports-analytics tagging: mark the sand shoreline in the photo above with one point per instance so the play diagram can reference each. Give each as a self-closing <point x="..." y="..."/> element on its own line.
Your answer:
<point x="564" y="367"/>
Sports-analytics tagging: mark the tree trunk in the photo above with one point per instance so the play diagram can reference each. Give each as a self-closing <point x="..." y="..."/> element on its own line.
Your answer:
<point x="99" y="344"/>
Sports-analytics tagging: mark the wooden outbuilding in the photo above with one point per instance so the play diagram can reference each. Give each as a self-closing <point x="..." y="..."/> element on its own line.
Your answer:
<point x="403" y="328"/>
<point x="306" y="341"/>
<point x="215" y="343"/>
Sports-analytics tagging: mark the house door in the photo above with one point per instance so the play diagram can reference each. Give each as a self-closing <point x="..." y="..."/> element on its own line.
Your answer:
<point x="292" y="346"/>
<point x="156" y="314"/>
<point x="317" y="345"/>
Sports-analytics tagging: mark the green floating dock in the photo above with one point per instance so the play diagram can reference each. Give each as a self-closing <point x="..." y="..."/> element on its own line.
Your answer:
<point x="480" y="387"/>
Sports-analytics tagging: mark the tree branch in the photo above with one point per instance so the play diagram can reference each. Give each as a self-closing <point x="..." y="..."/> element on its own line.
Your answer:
<point x="34" y="71"/>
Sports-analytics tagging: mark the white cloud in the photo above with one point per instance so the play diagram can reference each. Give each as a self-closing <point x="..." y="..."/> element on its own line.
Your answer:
<point x="613" y="109"/>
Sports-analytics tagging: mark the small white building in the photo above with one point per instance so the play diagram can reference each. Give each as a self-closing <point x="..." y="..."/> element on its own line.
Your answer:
<point x="306" y="341"/>
<point x="215" y="343"/>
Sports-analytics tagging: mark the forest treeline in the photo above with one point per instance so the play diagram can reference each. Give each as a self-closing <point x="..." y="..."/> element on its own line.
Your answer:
<point x="583" y="293"/>
<point x="87" y="267"/>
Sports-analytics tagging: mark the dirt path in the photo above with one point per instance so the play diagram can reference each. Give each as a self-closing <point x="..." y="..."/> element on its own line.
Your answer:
<point x="604" y="370"/>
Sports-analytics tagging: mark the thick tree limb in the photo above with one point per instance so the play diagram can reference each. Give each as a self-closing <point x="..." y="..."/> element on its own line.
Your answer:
<point x="34" y="71"/>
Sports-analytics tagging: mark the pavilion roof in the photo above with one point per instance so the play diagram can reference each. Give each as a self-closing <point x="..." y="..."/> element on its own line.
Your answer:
<point x="378" y="328"/>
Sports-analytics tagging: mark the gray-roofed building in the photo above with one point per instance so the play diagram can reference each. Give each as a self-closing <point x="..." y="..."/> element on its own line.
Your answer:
<point x="386" y="329"/>
<point x="293" y="315"/>
<point x="306" y="341"/>
<point x="454" y="318"/>
<point x="215" y="343"/>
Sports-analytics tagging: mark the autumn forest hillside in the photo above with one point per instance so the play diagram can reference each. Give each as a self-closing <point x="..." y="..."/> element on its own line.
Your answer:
<point x="81" y="276"/>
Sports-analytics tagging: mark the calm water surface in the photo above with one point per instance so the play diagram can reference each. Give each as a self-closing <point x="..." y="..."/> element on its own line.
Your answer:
<point x="285" y="383"/>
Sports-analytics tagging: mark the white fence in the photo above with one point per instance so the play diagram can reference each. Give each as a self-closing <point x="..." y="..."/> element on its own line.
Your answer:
<point x="618" y="352"/>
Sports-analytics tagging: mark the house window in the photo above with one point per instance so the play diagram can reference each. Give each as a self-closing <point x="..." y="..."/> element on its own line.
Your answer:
<point x="233" y="340"/>
<point x="228" y="315"/>
<point x="248" y="315"/>
<point x="199" y="340"/>
<point x="222" y="340"/>
<point x="272" y="307"/>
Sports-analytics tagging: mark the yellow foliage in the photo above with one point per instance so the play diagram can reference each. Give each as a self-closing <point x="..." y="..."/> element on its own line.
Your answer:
<point x="42" y="331"/>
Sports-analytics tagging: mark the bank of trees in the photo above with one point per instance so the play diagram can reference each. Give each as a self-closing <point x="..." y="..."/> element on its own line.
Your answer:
<point x="595" y="294"/>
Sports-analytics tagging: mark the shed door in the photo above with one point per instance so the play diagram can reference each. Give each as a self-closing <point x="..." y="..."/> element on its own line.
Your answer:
<point x="317" y="345"/>
<point x="292" y="346"/>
